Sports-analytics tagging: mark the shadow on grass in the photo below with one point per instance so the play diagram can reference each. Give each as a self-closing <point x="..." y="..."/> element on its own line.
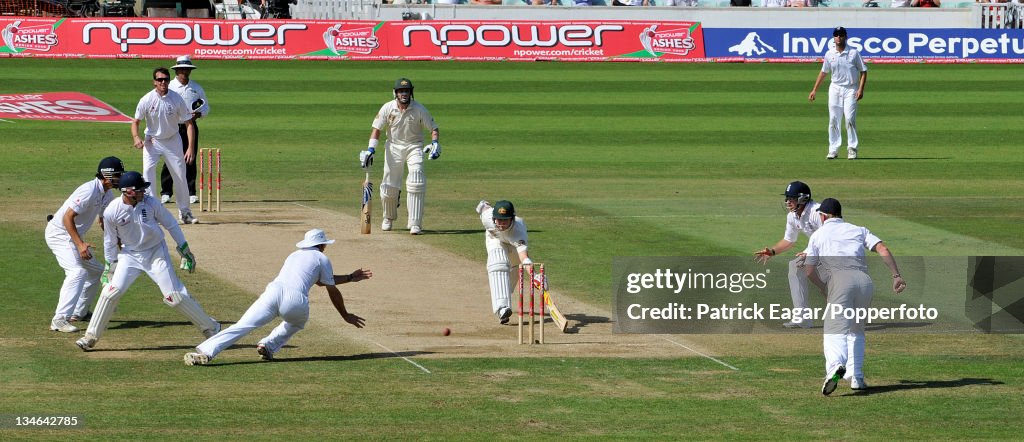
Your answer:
<point x="454" y="232"/>
<point x="888" y="325"/>
<point x="915" y="385"/>
<point x="125" y="325"/>
<point x="338" y="358"/>
<point x="578" y="321"/>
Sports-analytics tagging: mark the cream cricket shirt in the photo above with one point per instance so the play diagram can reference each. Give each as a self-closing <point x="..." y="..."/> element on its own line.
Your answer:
<point x="808" y="222"/>
<point x="515" y="235"/>
<point x="88" y="201"/>
<point x="138" y="228"/>
<point x="404" y="128"/>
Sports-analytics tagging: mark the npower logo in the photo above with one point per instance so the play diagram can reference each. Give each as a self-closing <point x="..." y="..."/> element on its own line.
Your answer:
<point x="183" y="34"/>
<point x="502" y="35"/>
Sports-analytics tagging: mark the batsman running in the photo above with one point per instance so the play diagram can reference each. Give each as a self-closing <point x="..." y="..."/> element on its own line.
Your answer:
<point x="136" y="223"/>
<point x="405" y="120"/>
<point x="504" y="234"/>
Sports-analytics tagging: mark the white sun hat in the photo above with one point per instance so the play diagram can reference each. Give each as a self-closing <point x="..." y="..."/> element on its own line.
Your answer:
<point x="184" y="62"/>
<point x="314" y="237"/>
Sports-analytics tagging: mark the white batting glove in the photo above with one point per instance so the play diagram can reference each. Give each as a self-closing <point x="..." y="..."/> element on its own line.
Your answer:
<point x="366" y="158"/>
<point x="434" y="149"/>
<point x="483" y="205"/>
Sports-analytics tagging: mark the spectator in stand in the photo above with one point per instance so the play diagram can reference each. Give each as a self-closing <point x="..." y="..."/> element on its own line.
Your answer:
<point x="739" y="3"/>
<point x="690" y="3"/>
<point x="900" y="4"/>
<point x="582" y="3"/>
<point x="800" y="4"/>
<point x="774" y="3"/>
<point x="485" y="2"/>
<point x="446" y="2"/>
<point x="926" y="3"/>
<point x="631" y="3"/>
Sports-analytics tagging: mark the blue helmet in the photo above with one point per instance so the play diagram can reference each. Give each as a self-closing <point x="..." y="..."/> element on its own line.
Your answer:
<point x="133" y="180"/>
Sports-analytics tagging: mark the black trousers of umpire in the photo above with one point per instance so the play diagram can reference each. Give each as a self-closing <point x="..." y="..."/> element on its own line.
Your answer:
<point x="166" y="182"/>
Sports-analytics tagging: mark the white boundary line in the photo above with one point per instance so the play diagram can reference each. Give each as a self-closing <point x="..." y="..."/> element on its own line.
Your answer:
<point x="699" y="353"/>
<point x="403" y="357"/>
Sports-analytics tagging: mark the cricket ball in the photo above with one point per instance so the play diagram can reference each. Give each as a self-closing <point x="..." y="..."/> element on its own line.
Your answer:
<point x="447" y="331"/>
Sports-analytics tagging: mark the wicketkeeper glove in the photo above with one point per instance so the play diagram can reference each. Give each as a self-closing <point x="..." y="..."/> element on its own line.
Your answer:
<point x="434" y="149"/>
<point x="108" y="271"/>
<point x="366" y="158"/>
<point x="188" y="260"/>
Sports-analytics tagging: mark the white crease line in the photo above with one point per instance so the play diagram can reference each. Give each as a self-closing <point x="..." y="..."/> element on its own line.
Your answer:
<point x="403" y="357"/>
<point x="699" y="353"/>
<point x="311" y="208"/>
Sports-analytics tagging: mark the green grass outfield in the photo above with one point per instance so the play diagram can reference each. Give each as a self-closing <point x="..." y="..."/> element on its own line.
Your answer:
<point x="601" y="160"/>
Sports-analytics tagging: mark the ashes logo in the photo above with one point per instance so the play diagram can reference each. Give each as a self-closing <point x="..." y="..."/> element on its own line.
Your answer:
<point x="357" y="40"/>
<point x="675" y="41"/>
<point x="19" y="38"/>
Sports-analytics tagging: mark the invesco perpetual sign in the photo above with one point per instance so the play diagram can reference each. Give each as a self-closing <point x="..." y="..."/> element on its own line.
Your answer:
<point x="181" y="34"/>
<point x="501" y="35"/>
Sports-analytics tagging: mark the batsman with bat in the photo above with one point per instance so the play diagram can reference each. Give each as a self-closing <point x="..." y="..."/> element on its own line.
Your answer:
<point x="405" y="121"/>
<point x="504" y="234"/>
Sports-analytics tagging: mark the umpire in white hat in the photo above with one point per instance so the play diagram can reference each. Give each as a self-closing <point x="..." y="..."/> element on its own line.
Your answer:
<point x="195" y="96"/>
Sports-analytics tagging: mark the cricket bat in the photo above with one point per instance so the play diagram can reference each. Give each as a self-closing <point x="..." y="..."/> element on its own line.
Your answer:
<point x="364" y="218"/>
<point x="556" y="315"/>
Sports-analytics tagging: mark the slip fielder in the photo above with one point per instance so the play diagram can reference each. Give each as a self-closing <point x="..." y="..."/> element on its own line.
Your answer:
<point x="133" y="243"/>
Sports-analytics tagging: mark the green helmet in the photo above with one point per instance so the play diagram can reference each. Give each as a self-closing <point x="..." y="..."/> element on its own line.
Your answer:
<point x="403" y="83"/>
<point x="503" y="210"/>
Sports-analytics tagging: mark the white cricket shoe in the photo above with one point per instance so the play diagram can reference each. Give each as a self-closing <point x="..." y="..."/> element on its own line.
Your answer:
<point x="386" y="225"/>
<point x="831" y="156"/>
<point x="858" y="384"/>
<point x="415" y="230"/>
<point x="264" y="352"/>
<point x="187" y="218"/>
<point x="86" y="342"/>
<point x="193" y="199"/>
<point x="164" y="199"/>
<point x="832" y="380"/>
<point x="851" y="154"/>
<point x="63" y="326"/>
<point x="196" y="359"/>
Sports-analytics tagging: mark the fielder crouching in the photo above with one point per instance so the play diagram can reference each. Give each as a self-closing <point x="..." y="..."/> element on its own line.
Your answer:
<point x="137" y="221"/>
<point x="505" y="233"/>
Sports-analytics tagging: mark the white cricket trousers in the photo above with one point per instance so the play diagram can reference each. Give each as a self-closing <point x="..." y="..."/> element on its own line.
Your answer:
<point x="844" y="338"/>
<point x="277" y="300"/>
<point x="396" y="158"/>
<point x="171" y="149"/>
<point x="81" y="277"/>
<point x="842" y="103"/>
<point x="502" y="275"/>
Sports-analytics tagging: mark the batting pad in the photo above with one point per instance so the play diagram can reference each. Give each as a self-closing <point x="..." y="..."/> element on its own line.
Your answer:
<point x="191" y="309"/>
<point x="416" y="185"/>
<point x="389" y="200"/>
<point x="499" y="279"/>
<point x="105" y="307"/>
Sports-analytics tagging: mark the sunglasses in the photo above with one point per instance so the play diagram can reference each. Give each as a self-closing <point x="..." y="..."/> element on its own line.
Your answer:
<point x="162" y="79"/>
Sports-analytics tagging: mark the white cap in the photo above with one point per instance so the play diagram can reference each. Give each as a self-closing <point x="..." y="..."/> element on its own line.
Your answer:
<point x="184" y="62"/>
<point x="314" y="237"/>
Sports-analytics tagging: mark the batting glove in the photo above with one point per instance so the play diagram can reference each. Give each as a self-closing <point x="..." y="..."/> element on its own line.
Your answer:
<point x="108" y="271"/>
<point x="434" y="149"/>
<point x="366" y="158"/>
<point x="483" y="205"/>
<point x="540" y="282"/>
<point x="188" y="260"/>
